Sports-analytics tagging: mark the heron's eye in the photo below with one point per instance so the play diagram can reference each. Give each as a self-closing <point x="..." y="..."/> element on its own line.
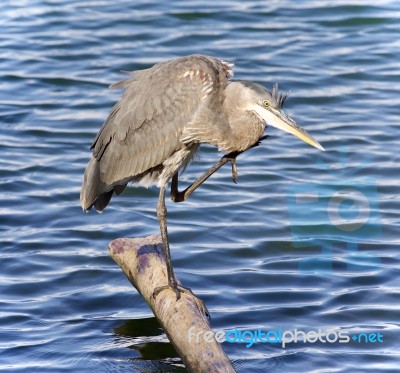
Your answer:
<point x="266" y="103"/>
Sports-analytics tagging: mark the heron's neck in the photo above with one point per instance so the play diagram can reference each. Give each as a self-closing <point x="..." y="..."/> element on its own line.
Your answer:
<point x="245" y="126"/>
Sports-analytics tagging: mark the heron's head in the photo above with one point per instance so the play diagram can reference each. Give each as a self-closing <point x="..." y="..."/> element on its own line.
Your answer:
<point x="268" y="105"/>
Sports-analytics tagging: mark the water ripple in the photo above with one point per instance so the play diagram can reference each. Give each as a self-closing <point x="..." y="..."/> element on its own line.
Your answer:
<point x="257" y="254"/>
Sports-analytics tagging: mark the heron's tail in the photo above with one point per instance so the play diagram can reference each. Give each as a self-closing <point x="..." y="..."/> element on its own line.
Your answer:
<point x="94" y="192"/>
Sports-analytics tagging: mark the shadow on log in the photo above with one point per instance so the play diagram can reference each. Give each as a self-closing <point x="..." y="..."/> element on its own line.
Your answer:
<point x="142" y="260"/>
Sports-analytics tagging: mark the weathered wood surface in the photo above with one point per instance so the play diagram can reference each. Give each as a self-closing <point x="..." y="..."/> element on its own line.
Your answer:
<point x="142" y="260"/>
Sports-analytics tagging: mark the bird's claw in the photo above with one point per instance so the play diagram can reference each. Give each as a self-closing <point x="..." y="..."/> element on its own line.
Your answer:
<point x="231" y="157"/>
<point x="234" y="170"/>
<point x="178" y="289"/>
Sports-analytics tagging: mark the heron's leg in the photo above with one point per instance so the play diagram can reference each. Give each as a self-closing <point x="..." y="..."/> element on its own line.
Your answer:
<point x="178" y="196"/>
<point x="174" y="187"/>
<point x="172" y="282"/>
<point x="162" y="219"/>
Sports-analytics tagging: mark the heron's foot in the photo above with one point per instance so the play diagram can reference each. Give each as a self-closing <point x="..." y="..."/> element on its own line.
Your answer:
<point x="231" y="157"/>
<point x="178" y="289"/>
<point x="234" y="170"/>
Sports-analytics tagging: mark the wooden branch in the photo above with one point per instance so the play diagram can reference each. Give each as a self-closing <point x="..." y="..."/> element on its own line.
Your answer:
<point x="143" y="262"/>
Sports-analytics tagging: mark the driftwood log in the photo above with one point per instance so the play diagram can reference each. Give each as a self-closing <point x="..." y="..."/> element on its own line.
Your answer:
<point x="183" y="321"/>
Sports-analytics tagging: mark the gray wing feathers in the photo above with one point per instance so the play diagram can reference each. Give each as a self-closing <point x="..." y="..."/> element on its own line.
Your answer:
<point x="145" y="127"/>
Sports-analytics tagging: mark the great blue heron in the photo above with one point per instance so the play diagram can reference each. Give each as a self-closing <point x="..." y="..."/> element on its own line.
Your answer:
<point x="164" y="115"/>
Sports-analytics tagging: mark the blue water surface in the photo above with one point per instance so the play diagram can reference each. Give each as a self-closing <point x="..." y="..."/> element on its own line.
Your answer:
<point x="306" y="240"/>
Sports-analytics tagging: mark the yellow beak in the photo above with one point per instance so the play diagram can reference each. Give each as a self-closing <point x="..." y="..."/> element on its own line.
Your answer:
<point x="279" y="119"/>
<point x="285" y="123"/>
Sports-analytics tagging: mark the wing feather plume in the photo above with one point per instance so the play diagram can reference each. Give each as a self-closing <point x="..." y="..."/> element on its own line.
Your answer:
<point x="145" y="127"/>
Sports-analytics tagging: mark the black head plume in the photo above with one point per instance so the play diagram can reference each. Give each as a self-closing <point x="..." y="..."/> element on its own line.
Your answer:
<point x="279" y="97"/>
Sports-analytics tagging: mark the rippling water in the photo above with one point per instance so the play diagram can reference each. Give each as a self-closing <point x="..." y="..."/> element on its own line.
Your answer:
<point x="306" y="240"/>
